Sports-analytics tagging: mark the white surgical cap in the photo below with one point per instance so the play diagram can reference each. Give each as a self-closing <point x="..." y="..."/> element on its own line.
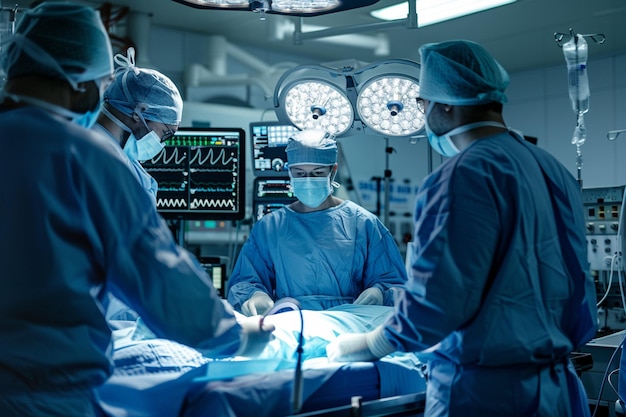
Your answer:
<point x="145" y="90"/>
<point x="313" y="146"/>
<point x="461" y="73"/>
<point x="62" y="40"/>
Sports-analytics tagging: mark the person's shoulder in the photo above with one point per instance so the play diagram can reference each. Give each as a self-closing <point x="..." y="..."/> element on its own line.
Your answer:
<point x="271" y="220"/>
<point x="352" y="207"/>
<point x="96" y="144"/>
<point x="357" y="212"/>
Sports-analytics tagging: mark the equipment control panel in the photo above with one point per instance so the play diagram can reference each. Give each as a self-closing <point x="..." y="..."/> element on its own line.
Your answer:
<point x="602" y="218"/>
<point x="272" y="189"/>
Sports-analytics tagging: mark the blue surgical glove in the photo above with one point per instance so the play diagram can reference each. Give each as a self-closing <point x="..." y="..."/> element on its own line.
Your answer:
<point x="364" y="347"/>
<point x="370" y="296"/>
<point x="258" y="304"/>
<point x="255" y="335"/>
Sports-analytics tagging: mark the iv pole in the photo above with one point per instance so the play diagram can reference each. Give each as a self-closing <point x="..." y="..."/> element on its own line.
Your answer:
<point x="387" y="179"/>
<point x="580" y="131"/>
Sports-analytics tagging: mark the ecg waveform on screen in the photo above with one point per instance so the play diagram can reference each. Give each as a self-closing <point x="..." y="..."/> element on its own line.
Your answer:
<point x="171" y="203"/>
<point x="209" y="203"/>
<point x="168" y="157"/>
<point x="212" y="187"/>
<point x="199" y="174"/>
<point x="212" y="157"/>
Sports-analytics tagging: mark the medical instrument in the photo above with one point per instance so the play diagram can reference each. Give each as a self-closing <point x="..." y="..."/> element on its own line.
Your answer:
<point x="575" y="51"/>
<point x="272" y="189"/>
<point x="154" y="375"/>
<point x="291" y="304"/>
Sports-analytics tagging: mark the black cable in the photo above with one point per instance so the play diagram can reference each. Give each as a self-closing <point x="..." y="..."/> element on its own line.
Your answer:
<point x="604" y="378"/>
<point x="291" y="304"/>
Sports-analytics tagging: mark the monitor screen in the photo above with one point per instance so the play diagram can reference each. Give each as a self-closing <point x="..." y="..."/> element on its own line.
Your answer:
<point x="201" y="174"/>
<point x="269" y="140"/>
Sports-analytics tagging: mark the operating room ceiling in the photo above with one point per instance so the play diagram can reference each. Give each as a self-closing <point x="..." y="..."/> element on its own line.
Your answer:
<point x="520" y="35"/>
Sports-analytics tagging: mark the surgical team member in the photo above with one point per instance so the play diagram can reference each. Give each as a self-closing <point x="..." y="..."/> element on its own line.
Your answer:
<point x="320" y="250"/>
<point x="142" y="109"/>
<point x="75" y="222"/>
<point x="499" y="290"/>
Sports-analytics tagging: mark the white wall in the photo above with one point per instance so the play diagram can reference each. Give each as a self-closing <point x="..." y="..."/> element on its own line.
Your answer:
<point x="538" y="106"/>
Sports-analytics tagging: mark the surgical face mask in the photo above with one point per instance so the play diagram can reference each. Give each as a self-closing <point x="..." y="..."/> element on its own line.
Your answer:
<point x="115" y="119"/>
<point x="145" y="148"/>
<point x="443" y="143"/>
<point x="88" y="119"/>
<point x="311" y="191"/>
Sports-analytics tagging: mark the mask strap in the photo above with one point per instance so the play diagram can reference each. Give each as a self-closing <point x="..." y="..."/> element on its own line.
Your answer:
<point x="334" y="183"/>
<point x="472" y="126"/>
<point x="62" y="111"/>
<point x="138" y="111"/>
<point x="115" y="120"/>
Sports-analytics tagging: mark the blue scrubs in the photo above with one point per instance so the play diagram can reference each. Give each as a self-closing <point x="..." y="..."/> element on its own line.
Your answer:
<point x="323" y="259"/>
<point x="75" y="223"/>
<point x="497" y="292"/>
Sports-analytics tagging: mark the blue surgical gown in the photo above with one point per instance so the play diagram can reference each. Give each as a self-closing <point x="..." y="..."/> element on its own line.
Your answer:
<point x="499" y="289"/>
<point x="323" y="258"/>
<point x="75" y="223"/>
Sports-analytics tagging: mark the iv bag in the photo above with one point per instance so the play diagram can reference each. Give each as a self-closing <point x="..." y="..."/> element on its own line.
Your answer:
<point x="575" y="52"/>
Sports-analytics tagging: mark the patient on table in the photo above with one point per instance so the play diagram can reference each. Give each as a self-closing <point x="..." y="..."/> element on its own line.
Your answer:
<point x="160" y="372"/>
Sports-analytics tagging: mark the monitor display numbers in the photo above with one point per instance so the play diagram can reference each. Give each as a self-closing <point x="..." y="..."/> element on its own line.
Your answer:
<point x="269" y="141"/>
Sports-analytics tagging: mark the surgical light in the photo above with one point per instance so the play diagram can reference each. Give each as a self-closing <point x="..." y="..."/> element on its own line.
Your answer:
<point x="353" y="98"/>
<point x="317" y="104"/>
<point x="304" y="6"/>
<point x="388" y="106"/>
<point x="301" y="8"/>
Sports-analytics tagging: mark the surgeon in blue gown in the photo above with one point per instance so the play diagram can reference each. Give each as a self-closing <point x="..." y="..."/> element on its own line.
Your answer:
<point x="75" y="222"/>
<point x="321" y="250"/>
<point x="499" y="291"/>
<point x="142" y="109"/>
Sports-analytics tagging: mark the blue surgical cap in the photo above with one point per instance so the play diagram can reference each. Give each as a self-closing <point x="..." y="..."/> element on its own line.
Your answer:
<point x="62" y="40"/>
<point x="313" y="146"/>
<point x="144" y="90"/>
<point x="461" y="73"/>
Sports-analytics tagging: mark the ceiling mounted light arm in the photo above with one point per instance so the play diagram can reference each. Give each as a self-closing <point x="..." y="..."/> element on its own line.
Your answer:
<point x="410" y="22"/>
<point x="301" y="8"/>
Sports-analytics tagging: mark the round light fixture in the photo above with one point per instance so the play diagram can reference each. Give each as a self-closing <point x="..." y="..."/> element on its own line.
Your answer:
<point x="387" y="105"/>
<point x="312" y="104"/>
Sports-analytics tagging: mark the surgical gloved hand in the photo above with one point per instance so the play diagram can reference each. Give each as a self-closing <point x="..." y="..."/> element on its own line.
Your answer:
<point x="364" y="347"/>
<point x="255" y="335"/>
<point x="258" y="304"/>
<point x="370" y="296"/>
